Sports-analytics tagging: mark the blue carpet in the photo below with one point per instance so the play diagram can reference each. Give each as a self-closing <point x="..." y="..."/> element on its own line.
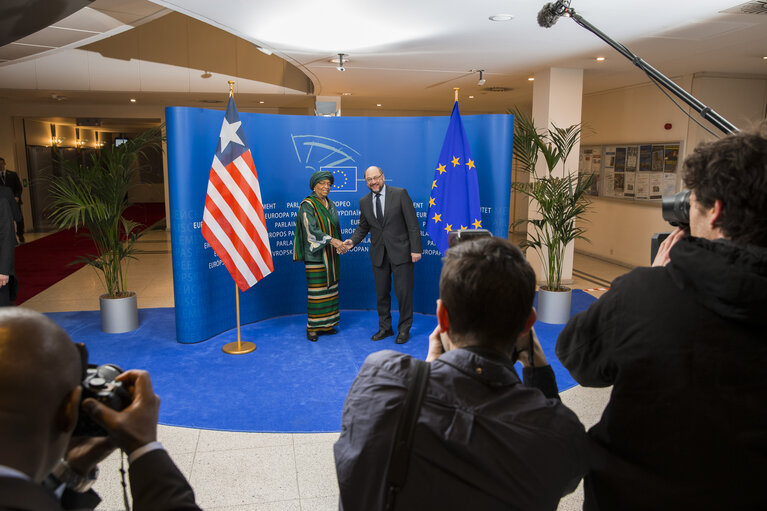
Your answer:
<point x="287" y="385"/>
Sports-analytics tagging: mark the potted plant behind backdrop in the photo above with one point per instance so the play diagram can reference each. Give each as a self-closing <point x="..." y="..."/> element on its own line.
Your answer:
<point x="559" y="202"/>
<point x="94" y="196"/>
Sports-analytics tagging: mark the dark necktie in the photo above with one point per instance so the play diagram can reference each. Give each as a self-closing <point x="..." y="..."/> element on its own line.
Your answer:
<point x="379" y="211"/>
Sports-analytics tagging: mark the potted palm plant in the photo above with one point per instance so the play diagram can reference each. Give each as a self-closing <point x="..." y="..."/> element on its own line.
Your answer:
<point x="560" y="199"/>
<point x="93" y="196"/>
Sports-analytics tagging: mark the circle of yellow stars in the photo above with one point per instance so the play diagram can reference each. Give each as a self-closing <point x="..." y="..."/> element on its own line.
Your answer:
<point x="477" y="223"/>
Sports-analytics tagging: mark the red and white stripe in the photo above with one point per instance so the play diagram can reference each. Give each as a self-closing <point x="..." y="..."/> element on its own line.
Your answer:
<point x="233" y="222"/>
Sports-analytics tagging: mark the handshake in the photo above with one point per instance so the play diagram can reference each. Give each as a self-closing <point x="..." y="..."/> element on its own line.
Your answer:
<point x="342" y="247"/>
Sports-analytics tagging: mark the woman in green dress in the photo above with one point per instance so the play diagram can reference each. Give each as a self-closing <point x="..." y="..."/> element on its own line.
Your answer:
<point x="317" y="242"/>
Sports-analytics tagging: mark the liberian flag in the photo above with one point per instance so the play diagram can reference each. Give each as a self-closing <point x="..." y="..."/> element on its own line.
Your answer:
<point x="233" y="221"/>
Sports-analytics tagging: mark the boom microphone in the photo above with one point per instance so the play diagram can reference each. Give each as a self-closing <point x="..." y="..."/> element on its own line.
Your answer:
<point x="551" y="12"/>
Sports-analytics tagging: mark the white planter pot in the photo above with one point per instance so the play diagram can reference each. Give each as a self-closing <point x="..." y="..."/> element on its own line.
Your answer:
<point x="554" y="306"/>
<point x="119" y="315"/>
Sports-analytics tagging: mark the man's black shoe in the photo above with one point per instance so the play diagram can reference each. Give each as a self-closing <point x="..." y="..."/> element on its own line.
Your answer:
<point x="402" y="338"/>
<point x="312" y="336"/>
<point x="382" y="334"/>
<point x="21" y="238"/>
<point x="329" y="331"/>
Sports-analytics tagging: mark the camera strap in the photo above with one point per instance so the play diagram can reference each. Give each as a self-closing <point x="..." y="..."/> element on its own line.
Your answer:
<point x="418" y="378"/>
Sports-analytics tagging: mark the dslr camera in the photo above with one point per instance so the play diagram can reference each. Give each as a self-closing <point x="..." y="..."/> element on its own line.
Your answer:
<point x="676" y="211"/>
<point x="99" y="383"/>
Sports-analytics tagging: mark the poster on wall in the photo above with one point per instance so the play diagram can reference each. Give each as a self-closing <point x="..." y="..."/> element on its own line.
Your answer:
<point x="628" y="184"/>
<point x="645" y="158"/>
<point x="632" y="156"/>
<point x="658" y="153"/>
<point x="619" y="185"/>
<point x="669" y="183"/>
<point x="620" y="159"/>
<point x="671" y="158"/>
<point x="590" y="163"/>
<point x="642" y="185"/>
<point x="656" y="185"/>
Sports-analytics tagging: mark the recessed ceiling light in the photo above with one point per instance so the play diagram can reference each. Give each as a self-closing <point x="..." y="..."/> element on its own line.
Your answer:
<point x="764" y="58"/>
<point x="261" y="102"/>
<point x="378" y="104"/>
<point x="600" y="59"/>
<point x="346" y="93"/>
<point x="531" y="79"/>
<point x="132" y="100"/>
<point x="471" y="97"/>
<point x="501" y="17"/>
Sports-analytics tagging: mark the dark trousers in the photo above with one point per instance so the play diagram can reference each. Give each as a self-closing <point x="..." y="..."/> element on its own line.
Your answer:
<point x="403" y="289"/>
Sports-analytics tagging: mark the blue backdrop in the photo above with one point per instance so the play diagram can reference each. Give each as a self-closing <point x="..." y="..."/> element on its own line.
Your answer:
<point x="286" y="150"/>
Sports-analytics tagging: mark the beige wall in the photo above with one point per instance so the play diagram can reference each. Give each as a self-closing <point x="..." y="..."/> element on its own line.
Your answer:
<point x="620" y="230"/>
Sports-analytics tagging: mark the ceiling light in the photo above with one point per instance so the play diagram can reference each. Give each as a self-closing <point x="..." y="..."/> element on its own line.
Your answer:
<point x="132" y="100"/>
<point x="481" y="80"/>
<point x="206" y="74"/>
<point x="764" y="58"/>
<point x="600" y="59"/>
<point x="378" y="104"/>
<point x="261" y="102"/>
<point x="346" y="93"/>
<point x="471" y="97"/>
<point x="531" y="79"/>
<point x="501" y="17"/>
<point x="341" y="60"/>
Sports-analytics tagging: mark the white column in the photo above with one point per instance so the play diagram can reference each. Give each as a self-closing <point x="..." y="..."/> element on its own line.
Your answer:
<point x="557" y="98"/>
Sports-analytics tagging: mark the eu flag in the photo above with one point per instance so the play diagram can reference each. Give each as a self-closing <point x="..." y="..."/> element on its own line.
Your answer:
<point x="454" y="199"/>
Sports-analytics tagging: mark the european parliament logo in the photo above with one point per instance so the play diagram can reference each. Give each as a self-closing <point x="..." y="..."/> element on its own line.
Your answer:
<point x="316" y="152"/>
<point x="345" y="178"/>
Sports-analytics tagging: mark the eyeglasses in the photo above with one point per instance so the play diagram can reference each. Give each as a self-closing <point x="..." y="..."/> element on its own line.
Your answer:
<point x="374" y="178"/>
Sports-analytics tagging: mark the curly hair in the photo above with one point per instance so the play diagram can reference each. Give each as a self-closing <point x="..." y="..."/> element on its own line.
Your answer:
<point x="733" y="170"/>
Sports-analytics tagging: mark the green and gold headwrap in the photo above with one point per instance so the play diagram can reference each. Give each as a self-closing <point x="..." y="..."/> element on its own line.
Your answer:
<point x="319" y="176"/>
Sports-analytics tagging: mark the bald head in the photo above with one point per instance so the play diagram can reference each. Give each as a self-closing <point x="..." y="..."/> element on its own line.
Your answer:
<point x="40" y="371"/>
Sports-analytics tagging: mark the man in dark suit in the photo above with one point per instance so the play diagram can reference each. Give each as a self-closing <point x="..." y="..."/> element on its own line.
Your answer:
<point x="11" y="179"/>
<point x="387" y="213"/>
<point x="9" y="212"/>
<point x="40" y="392"/>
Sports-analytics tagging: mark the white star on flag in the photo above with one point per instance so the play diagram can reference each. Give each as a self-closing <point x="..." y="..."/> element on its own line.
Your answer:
<point x="229" y="134"/>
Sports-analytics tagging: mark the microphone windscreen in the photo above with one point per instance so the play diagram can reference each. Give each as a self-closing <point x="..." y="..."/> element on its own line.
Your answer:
<point x="547" y="16"/>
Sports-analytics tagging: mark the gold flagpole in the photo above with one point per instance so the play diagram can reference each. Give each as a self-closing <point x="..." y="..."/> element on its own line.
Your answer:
<point x="456" y="89"/>
<point x="239" y="347"/>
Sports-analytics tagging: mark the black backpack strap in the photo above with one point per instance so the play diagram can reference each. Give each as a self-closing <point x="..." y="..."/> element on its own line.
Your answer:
<point x="399" y="459"/>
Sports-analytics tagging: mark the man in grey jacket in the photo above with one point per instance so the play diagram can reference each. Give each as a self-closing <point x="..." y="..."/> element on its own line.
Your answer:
<point x="483" y="440"/>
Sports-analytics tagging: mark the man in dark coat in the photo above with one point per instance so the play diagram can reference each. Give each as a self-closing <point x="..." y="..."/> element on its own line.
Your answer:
<point x="484" y="439"/>
<point x="40" y="374"/>
<point x="684" y="346"/>
<point x="9" y="212"/>
<point x="11" y="179"/>
<point x="387" y="213"/>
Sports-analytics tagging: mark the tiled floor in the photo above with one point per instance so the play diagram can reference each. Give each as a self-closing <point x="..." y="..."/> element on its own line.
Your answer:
<point x="261" y="471"/>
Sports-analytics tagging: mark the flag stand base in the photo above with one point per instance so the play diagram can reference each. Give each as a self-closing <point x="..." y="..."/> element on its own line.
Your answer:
<point x="239" y="348"/>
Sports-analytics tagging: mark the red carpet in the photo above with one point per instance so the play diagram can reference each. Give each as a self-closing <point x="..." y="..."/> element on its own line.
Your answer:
<point x="42" y="263"/>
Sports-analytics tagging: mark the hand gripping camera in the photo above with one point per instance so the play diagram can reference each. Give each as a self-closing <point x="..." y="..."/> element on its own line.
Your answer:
<point x="99" y="383"/>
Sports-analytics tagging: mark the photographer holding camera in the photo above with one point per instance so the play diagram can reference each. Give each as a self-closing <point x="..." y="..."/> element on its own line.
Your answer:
<point x="44" y="467"/>
<point x="684" y="346"/>
<point x="481" y="439"/>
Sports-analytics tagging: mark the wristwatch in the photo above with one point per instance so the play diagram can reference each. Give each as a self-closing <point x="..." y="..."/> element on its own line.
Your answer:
<point x="64" y="474"/>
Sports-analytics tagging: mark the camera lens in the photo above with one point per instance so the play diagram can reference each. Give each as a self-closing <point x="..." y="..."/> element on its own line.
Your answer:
<point x="676" y="208"/>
